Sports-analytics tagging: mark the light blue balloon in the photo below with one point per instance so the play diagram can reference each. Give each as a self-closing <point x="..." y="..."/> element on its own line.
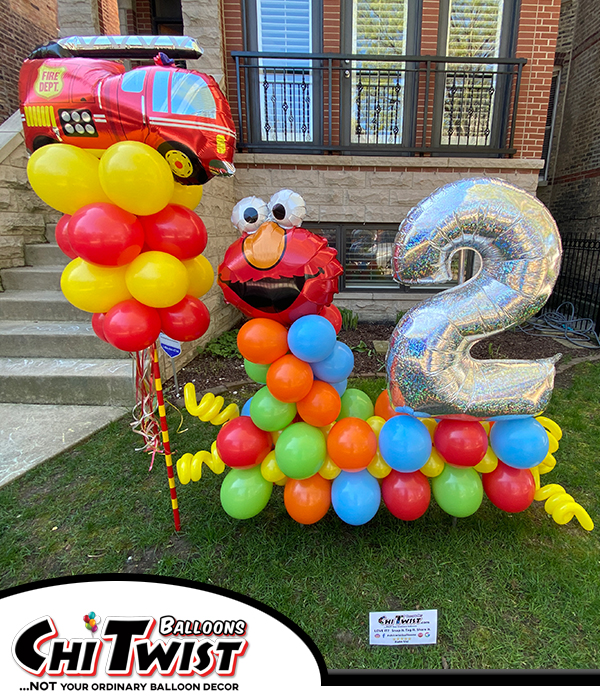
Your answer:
<point x="335" y="367"/>
<point x="404" y="443"/>
<point x="340" y="387"/>
<point x="355" y="497"/>
<point x="311" y="338"/>
<point x="521" y="444"/>
<point x="246" y="407"/>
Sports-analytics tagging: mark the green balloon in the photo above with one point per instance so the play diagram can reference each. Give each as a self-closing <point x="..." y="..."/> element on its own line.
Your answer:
<point x="356" y="404"/>
<point x="458" y="491"/>
<point x="245" y="492"/>
<point x="300" y="451"/>
<point x="268" y="413"/>
<point x="256" y="372"/>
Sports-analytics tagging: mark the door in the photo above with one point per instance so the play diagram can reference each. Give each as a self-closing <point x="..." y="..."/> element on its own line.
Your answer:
<point x="285" y="93"/>
<point x="471" y="100"/>
<point x="378" y="105"/>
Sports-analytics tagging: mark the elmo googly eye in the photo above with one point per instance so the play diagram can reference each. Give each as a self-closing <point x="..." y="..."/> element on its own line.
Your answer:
<point x="248" y="214"/>
<point x="287" y="208"/>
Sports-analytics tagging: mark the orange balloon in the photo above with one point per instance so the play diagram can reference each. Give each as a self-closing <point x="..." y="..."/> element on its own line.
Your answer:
<point x="383" y="407"/>
<point x="262" y="341"/>
<point x="352" y="444"/>
<point x="308" y="500"/>
<point x="289" y="379"/>
<point x="321" y="406"/>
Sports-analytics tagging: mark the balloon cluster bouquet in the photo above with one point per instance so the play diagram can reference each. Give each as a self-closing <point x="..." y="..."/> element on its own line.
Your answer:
<point x="92" y="622"/>
<point x="447" y="424"/>
<point x="137" y="265"/>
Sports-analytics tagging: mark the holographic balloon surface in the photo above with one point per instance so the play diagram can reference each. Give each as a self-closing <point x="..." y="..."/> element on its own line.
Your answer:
<point x="430" y="369"/>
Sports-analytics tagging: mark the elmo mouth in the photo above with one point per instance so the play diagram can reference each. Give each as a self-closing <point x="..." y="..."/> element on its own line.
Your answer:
<point x="268" y="294"/>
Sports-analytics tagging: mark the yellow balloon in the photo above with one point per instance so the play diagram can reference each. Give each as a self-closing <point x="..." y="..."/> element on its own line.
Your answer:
<point x="187" y="195"/>
<point x="376" y="423"/>
<point x="486" y="425"/>
<point x="488" y="463"/>
<point x="330" y="469"/>
<point x="378" y="467"/>
<point x="325" y="429"/>
<point x="270" y="469"/>
<point x="65" y="177"/>
<point x="157" y="279"/>
<point x="434" y="466"/>
<point x="201" y="275"/>
<point x="136" y="177"/>
<point x="282" y="482"/>
<point x="430" y="424"/>
<point x="275" y="435"/>
<point x="94" y="288"/>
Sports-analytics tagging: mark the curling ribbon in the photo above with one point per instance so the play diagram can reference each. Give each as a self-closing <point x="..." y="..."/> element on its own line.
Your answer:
<point x="189" y="466"/>
<point x="209" y="408"/>
<point x="563" y="507"/>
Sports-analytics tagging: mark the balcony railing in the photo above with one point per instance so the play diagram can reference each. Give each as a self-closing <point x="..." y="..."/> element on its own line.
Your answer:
<point x="367" y="104"/>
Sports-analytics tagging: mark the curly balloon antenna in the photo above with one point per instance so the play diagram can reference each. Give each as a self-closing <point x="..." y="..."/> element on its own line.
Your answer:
<point x="189" y="466"/>
<point x="209" y="408"/>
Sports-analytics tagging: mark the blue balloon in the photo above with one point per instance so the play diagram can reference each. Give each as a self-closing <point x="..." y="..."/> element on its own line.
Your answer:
<point x="246" y="407"/>
<point x="404" y="443"/>
<point x="355" y="497"/>
<point x="340" y="387"/>
<point x="521" y="444"/>
<point x="335" y="367"/>
<point x="311" y="338"/>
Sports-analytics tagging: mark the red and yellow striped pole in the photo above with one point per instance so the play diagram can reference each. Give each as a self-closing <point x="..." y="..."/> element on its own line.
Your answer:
<point x="165" y="435"/>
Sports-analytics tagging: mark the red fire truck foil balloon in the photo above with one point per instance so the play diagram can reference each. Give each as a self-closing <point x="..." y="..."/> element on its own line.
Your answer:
<point x="93" y="103"/>
<point x="276" y="269"/>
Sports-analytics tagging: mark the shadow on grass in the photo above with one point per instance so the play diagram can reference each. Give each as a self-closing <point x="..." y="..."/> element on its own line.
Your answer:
<point x="512" y="591"/>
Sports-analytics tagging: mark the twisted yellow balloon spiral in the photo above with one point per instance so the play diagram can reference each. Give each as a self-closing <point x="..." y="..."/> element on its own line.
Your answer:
<point x="563" y="507"/>
<point x="190" y="466"/>
<point x="209" y="408"/>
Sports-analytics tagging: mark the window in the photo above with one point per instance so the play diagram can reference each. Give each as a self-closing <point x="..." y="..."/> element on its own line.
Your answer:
<point x="474" y="29"/>
<point x="167" y="17"/>
<point x="550" y="117"/>
<point x="191" y="95"/>
<point x="160" y="91"/>
<point x="133" y="81"/>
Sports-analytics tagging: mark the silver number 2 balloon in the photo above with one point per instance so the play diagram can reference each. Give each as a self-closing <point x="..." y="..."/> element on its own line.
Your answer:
<point x="429" y="366"/>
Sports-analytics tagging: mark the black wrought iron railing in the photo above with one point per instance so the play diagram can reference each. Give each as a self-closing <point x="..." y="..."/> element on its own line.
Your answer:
<point x="579" y="279"/>
<point x="361" y="104"/>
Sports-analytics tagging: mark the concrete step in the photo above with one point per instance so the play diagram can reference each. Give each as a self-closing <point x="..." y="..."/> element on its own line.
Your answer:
<point x="45" y="254"/>
<point x="57" y="381"/>
<point x="33" y="278"/>
<point x="54" y="339"/>
<point x="51" y="233"/>
<point x="39" y="305"/>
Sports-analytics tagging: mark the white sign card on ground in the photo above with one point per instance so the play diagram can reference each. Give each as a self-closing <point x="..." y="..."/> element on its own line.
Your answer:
<point x="403" y="627"/>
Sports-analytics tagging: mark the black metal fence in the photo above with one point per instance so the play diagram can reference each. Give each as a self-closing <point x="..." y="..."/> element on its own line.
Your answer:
<point x="367" y="103"/>
<point x="579" y="279"/>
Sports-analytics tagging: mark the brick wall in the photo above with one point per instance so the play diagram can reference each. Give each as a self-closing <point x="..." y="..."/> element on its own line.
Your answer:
<point x="143" y="17"/>
<point x="573" y="190"/>
<point x="108" y="16"/>
<point x="25" y="25"/>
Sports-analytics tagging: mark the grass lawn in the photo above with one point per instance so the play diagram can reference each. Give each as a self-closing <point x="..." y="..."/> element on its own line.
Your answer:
<point x="512" y="591"/>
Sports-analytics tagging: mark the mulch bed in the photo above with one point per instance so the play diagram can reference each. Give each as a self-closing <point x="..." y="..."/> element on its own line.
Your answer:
<point x="209" y="372"/>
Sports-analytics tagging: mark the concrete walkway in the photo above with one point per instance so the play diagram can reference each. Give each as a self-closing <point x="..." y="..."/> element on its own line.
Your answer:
<point x="31" y="434"/>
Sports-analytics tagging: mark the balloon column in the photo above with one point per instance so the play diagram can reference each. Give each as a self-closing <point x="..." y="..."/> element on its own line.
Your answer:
<point x="328" y="445"/>
<point x="137" y="253"/>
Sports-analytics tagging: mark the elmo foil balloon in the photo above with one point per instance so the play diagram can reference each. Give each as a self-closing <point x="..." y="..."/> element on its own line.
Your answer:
<point x="276" y="269"/>
<point x="429" y="366"/>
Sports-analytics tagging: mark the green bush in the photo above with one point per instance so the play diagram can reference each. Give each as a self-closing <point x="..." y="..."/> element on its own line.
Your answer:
<point x="224" y="345"/>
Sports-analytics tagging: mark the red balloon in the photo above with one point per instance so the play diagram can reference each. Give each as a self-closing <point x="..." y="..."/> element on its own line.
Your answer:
<point x="105" y="234"/>
<point x="62" y="236"/>
<point x="175" y="230"/>
<point x="187" y="320"/>
<point x="98" y="326"/>
<point x="406" y="495"/>
<point x="333" y="315"/>
<point x="461" y="443"/>
<point x="131" y="326"/>
<point x="241" y="444"/>
<point x="509" y="489"/>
